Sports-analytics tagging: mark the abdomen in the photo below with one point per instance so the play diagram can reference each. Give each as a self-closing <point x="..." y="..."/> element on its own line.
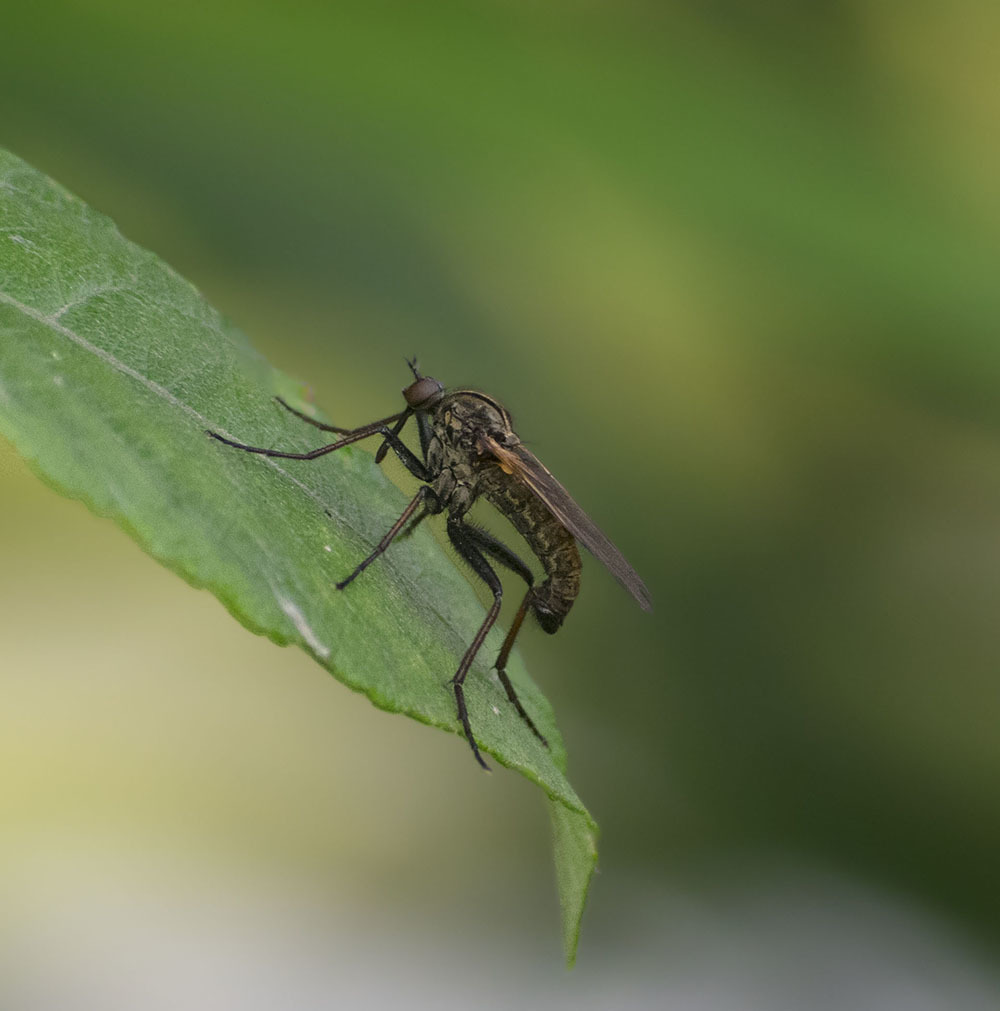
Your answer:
<point x="549" y="540"/>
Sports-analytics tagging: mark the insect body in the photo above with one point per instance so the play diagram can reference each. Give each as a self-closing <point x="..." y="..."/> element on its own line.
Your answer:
<point x="469" y="450"/>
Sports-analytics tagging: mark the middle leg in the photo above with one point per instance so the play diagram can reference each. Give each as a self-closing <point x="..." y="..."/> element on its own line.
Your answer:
<point x="424" y="494"/>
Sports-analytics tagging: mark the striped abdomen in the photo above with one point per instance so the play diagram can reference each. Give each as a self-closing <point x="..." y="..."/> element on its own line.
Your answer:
<point x="551" y="542"/>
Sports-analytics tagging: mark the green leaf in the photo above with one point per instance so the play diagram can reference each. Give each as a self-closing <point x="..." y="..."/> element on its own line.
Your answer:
<point x="111" y="369"/>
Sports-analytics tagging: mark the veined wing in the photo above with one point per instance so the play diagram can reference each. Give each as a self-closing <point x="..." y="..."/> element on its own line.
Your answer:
<point x="525" y="465"/>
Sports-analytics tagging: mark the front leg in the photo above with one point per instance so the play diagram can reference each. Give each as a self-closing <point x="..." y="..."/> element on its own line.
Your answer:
<point x="356" y="436"/>
<point x="407" y="457"/>
<point x="323" y="427"/>
<point x="414" y="465"/>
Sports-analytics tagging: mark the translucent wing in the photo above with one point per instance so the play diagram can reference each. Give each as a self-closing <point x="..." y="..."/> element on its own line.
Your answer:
<point x="525" y="465"/>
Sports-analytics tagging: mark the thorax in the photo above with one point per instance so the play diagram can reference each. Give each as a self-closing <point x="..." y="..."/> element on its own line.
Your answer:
<point x="455" y="454"/>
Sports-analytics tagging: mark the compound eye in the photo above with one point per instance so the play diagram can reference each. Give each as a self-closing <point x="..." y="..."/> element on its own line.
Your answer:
<point x="424" y="393"/>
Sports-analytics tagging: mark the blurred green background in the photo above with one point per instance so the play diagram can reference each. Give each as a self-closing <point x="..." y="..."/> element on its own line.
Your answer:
<point x="733" y="267"/>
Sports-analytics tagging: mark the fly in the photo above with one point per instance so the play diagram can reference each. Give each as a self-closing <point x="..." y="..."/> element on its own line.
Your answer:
<point x="468" y="450"/>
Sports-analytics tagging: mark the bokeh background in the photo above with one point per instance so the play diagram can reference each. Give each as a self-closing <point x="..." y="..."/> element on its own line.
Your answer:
<point x="734" y="269"/>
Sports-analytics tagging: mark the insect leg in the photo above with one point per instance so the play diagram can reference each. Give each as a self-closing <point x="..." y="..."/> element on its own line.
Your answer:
<point x="418" y="500"/>
<point x="488" y="543"/>
<point x="412" y="464"/>
<point x="501" y="665"/>
<point x="333" y="428"/>
<point x="410" y="527"/>
<point x="407" y="457"/>
<point x="465" y="545"/>
<point x="396" y="429"/>
<point x="506" y="557"/>
<point x="425" y="430"/>
<point x="355" y="436"/>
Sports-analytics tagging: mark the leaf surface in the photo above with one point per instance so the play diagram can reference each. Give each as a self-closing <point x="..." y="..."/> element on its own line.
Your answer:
<point x="111" y="369"/>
